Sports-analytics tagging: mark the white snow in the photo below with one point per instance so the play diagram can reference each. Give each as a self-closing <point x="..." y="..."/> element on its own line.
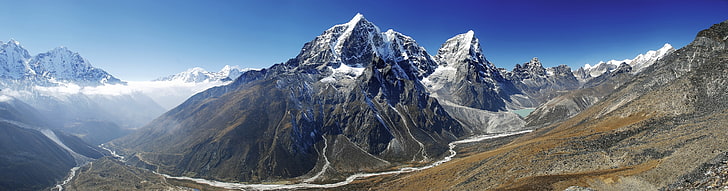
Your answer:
<point x="343" y="71"/>
<point x="348" y="70"/>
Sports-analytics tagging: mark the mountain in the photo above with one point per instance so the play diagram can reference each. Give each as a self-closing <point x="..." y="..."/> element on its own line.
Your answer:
<point x="60" y="84"/>
<point x="33" y="156"/>
<point x="60" y="64"/>
<point x="352" y="92"/>
<point x="198" y="75"/>
<point x="663" y="129"/>
<point x="464" y="77"/>
<point x="541" y="84"/>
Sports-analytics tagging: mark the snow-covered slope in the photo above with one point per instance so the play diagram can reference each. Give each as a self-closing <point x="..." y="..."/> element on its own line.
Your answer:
<point x="198" y="75"/>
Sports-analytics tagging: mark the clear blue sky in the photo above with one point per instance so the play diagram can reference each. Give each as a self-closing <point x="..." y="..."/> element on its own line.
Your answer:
<point x="146" y="39"/>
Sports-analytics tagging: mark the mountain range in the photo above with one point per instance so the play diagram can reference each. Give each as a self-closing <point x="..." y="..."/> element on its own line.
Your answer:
<point x="352" y="92"/>
<point x="358" y="100"/>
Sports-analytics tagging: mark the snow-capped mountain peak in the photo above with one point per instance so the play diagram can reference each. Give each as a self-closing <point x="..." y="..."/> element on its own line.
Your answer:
<point x="13" y="59"/>
<point x="643" y="61"/>
<point x="461" y="49"/>
<point x="62" y="64"/>
<point x="57" y="65"/>
<point x="198" y="75"/>
<point x="355" y="43"/>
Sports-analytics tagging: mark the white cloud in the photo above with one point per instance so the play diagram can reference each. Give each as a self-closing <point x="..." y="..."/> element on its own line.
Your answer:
<point x="167" y="94"/>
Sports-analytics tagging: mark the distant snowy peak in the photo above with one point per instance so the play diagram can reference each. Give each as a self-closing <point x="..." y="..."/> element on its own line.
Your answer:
<point x="643" y="61"/>
<point x="199" y="75"/>
<point x="637" y="64"/>
<point x="602" y="67"/>
<point x="463" y="48"/>
<point x="57" y="65"/>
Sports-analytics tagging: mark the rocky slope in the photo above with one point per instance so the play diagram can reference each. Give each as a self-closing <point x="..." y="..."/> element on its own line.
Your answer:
<point x="652" y="132"/>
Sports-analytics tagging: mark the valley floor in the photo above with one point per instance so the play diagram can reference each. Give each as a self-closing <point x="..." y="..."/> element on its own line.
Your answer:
<point x="112" y="174"/>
